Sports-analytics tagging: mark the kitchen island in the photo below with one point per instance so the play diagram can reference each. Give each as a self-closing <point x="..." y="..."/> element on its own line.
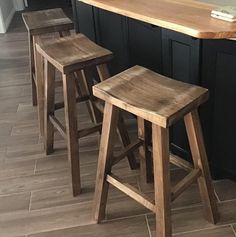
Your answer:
<point x="179" y="39"/>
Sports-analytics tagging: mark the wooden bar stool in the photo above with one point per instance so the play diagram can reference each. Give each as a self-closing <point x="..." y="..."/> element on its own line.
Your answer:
<point x="161" y="101"/>
<point x="43" y="22"/>
<point x="74" y="56"/>
<point x="39" y="23"/>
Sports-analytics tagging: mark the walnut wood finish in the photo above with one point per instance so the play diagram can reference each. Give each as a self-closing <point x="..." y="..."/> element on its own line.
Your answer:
<point x="144" y="134"/>
<point x="73" y="53"/>
<point x="195" y="136"/>
<point x="83" y="56"/>
<point x="49" y="106"/>
<point x="38" y="87"/>
<point x="71" y="131"/>
<point x="46" y="21"/>
<point x="162" y="101"/>
<point x="161" y="165"/>
<point x="110" y="120"/>
<point x="190" y="17"/>
<point x="38" y="23"/>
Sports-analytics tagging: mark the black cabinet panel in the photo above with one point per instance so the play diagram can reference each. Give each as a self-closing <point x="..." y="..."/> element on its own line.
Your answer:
<point x="181" y="61"/>
<point x="180" y="64"/>
<point x="181" y="56"/>
<point x="85" y="23"/>
<point x="75" y="17"/>
<point x="111" y="32"/>
<point x="145" y="45"/>
<point x="219" y="67"/>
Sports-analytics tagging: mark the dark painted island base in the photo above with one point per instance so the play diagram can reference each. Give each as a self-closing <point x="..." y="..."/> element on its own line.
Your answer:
<point x="209" y="63"/>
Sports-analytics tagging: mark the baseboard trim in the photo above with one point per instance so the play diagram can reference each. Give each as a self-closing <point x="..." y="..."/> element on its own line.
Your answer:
<point x="2" y="23"/>
<point x="9" y="18"/>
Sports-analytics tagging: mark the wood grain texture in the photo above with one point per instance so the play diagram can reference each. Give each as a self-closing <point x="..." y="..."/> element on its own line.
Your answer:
<point x="151" y="96"/>
<point x="49" y="106"/>
<point x="110" y="120"/>
<point x="71" y="131"/>
<point x="161" y="164"/>
<point x="146" y="166"/>
<point x="74" y="53"/>
<point x="46" y="21"/>
<point x="32" y="69"/>
<point x="39" y="80"/>
<point x="195" y="136"/>
<point x="38" y="23"/>
<point x="104" y="74"/>
<point x="186" y="16"/>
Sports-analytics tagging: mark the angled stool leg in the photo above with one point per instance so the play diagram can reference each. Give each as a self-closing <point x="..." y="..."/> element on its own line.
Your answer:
<point x="160" y="139"/>
<point x="194" y="131"/>
<point x="49" y="106"/>
<point x="124" y="137"/>
<point x="64" y="33"/>
<point x="32" y="69"/>
<point x="144" y="154"/>
<point x="38" y="58"/>
<point x="104" y="74"/>
<point x="111" y="115"/>
<point x="71" y="131"/>
<point x="86" y="82"/>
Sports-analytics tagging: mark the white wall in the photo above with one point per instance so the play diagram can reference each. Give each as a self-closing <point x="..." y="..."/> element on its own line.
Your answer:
<point x="7" y="10"/>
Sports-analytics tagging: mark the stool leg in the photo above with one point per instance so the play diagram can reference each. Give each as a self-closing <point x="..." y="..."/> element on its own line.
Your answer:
<point x="162" y="186"/>
<point x="124" y="137"/>
<point x="82" y="90"/>
<point x="144" y="154"/>
<point x="71" y="131"/>
<point x="64" y="33"/>
<point x="49" y="106"/>
<point x="111" y="115"/>
<point x="104" y="74"/>
<point x="32" y="69"/>
<point x="38" y="58"/>
<point x="85" y="79"/>
<point x="194" y="131"/>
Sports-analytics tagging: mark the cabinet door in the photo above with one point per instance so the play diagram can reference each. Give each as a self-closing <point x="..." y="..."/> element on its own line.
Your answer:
<point x="75" y="18"/>
<point x="145" y="46"/>
<point x="85" y="20"/>
<point x="219" y="75"/>
<point x="111" y="30"/>
<point x="181" y="62"/>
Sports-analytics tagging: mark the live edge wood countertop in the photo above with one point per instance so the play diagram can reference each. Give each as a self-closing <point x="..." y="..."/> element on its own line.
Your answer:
<point x="190" y="17"/>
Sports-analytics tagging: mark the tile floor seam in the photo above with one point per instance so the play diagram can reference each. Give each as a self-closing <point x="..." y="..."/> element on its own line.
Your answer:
<point x="35" y="164"/>
<point x="19" y="193"/>
<point x="49" y="188"/>
<point x="232" y="227"/>
<point x="203" y="229"/>
<point x="26" y="212"/>
<point x="61" y="206"/>
<point x="11" y="130"/>
<point x="30" y="201"/>
<point x="217" y="197"/>
<point x="229" y="200"/>
<point x="124" y="217"/>
<point x="148" y="226"/>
